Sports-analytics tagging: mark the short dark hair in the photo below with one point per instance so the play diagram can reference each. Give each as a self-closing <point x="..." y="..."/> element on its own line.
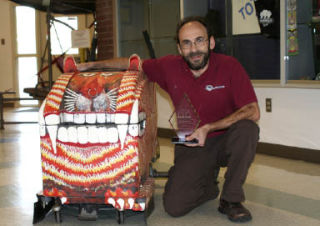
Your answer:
<point x="199" y="19"/>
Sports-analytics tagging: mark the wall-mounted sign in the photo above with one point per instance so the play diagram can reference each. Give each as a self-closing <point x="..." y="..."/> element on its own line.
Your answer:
<point x="80" y="38"/>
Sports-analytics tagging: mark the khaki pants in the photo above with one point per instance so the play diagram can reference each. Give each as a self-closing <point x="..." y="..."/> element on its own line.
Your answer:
<point x="192" y="179"/>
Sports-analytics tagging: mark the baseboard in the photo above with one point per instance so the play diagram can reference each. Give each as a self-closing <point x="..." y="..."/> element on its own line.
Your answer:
<point x="8" y="105"/>
<point x="305" y="154"/>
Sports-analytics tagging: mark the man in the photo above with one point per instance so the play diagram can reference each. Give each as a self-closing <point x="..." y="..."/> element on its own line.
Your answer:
<point x="223" y="96"/>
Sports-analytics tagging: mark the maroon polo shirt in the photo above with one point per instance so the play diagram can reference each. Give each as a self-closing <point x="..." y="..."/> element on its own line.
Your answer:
<point x="222" y="89"/>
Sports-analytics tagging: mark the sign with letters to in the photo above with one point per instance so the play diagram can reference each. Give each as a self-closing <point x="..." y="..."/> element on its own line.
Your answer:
<point x="244" y="18"/>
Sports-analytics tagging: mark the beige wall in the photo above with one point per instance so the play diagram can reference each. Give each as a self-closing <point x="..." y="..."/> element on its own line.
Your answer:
<point x="6" y="50"/>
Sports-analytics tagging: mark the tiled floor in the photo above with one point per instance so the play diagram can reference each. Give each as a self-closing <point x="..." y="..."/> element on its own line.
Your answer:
<point x="278" y="191"/>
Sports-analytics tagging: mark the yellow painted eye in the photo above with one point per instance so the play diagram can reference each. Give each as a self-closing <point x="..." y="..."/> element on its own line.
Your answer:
<point x="106" y="74"/>
<point x="87" y="74"/>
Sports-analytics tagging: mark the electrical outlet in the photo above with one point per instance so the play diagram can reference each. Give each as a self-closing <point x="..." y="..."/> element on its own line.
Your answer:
<point x="268" y="105"/>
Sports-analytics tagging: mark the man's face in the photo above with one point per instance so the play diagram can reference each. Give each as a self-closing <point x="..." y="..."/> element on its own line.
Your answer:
<point x="195" y="45"/>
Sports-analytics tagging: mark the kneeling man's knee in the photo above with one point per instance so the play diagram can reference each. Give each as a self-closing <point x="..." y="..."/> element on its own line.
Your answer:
<point x="248" y="126"/>
<point x="173" y="206"/>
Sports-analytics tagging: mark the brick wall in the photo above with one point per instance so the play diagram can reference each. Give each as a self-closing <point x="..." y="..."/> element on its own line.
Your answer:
<point x="105" y="23"/>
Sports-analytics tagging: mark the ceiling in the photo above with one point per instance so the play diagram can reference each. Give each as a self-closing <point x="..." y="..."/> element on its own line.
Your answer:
<point x="61" y="6"/>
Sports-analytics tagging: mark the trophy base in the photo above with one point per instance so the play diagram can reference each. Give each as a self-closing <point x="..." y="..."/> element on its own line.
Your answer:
<point x="178" y="140"/>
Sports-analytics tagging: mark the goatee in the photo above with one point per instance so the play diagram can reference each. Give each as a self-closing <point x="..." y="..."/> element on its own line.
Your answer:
<point x="199" y="65"/>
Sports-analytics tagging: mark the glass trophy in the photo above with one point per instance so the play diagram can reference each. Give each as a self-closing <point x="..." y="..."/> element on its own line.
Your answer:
<point x="184" y="120"/>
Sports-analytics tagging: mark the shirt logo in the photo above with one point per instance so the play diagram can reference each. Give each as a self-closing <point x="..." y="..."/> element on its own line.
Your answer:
<point x="209" y="88"/>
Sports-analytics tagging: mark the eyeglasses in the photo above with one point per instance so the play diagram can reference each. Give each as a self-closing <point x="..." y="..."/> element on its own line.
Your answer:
<point x="199" y="42"/>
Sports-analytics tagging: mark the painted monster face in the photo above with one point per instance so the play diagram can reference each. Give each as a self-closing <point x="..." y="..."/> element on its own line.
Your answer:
<point x="98" y="134"/>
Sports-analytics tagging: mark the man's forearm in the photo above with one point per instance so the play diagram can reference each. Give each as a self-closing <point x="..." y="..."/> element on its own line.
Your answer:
<point x="118" y="63"/>
<point x="250" y="111"/>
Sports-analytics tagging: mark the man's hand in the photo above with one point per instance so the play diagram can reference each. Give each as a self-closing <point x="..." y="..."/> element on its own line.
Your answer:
<point x="250" y="111"/>
<point x="200" y="134"/>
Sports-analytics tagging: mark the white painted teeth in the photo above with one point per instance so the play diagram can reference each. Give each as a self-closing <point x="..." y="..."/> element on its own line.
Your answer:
<point x="103" y="134"/>
<point x="63" y="134"/>
<point x="52" y="119"/>
<point x="82" y="134"/>
<point x="52" y="130"/>
<point x="112" y="135"/>
<point x="67" y="117"/>
<point x="108" y="118"/>
<point x="91" y="118"/>
<point x="121" y="204"/>
<point x="101" y="117"/>
<point x="93" y="135"/>
<point x="79" y="118"/>
<point x="134" y="117"/>
<point x="131" y="202"/>
<point x="86" y="134"/>
<point x="121" y="118"/>
<point x="72" y="134"/>
<point x="42" y="130"/>
<point x="122" y="129"/>
<point x="111" y="201"/>
<point x="108" y="135"/>
<point x="134" y="130"/>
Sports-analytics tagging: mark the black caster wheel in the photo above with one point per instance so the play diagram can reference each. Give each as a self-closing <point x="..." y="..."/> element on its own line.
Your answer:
<point x="57" y="216"/>
<point x="120" y="217"/>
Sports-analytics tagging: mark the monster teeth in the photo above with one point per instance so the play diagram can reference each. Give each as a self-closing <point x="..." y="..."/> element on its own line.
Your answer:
<point x="67" y="117"/>
<point x="134" y="117"/>
<point x="121" y="118"/>
<point x="103" y="134"/>
<point x="72" y="134"/>
<point x="111" y="201"/>
<point x="88" y="134"/>
<point x="134" y="130"/>
<point x="143" y="206"/>
<point x="79" y="118"/>
<point x="121" y="204"/>
<point x="112" y="135"/>
<point x="42" y="130"/>
<point x="63" y="134"/>
<point x="91" y="118"/>
<point x="52" y="119"/>
<point x="82" y="134"/>
<point x="108" y="118"/>
<point x="131" y="202"/>
<point x="122" y="129"/>
<point x="112" y="118"/>
<point x="101" y="117"/>
<point x="93" y="135"/>
<point x="52" y="130"/>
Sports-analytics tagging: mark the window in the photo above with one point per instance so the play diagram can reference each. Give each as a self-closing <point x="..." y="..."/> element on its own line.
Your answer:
<point x="26" y="50"/>
<point x="61" y="35"/>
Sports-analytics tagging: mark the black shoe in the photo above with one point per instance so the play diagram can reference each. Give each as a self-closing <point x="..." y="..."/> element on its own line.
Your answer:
<point x="235" y="211"/>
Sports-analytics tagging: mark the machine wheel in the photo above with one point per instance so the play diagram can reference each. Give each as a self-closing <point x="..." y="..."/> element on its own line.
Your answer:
<point x="57" y="210"/>
<point x="57" y="216"/>
<point x="120" y="217"/>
